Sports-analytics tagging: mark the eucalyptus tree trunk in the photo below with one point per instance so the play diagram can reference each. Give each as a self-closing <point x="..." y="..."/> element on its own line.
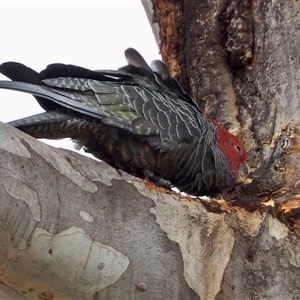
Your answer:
<point x="75" y="228"/>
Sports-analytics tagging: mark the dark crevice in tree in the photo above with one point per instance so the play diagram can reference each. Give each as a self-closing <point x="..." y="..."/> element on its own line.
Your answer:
<point x="237" y="33"/>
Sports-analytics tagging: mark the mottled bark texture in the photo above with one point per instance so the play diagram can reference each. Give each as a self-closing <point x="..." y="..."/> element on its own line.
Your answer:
<point x="240" y="61"/>
<point x="75" y="228"/>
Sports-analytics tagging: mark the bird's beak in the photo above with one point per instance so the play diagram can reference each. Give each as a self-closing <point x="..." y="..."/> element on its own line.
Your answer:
<point x="243" y="172"/>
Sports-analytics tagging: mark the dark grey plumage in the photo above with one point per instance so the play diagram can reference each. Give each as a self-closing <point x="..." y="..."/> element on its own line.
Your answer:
<point x="137" y="119"/>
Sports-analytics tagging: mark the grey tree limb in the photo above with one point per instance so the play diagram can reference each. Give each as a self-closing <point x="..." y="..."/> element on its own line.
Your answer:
<point x="75" y="228"/>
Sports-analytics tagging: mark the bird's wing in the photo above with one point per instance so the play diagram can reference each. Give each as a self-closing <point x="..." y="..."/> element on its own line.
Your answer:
<point x="147" y="102"/>
<point x="143" y="111"/>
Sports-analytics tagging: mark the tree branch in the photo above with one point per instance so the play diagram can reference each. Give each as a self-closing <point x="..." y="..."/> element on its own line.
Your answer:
<point x="75" y="228"/>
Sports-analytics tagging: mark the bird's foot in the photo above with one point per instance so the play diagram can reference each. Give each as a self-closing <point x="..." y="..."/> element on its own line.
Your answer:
<point x="158" y="180"/>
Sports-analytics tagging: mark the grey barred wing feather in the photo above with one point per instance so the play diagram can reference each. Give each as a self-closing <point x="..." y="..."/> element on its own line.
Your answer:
<point x="142" y="111"/>
<point x="137" y="119"/>
<point x="136" y="98"/>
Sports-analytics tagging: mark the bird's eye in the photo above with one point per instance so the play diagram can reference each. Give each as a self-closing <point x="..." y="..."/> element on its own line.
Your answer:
<point x="239" y="149"/>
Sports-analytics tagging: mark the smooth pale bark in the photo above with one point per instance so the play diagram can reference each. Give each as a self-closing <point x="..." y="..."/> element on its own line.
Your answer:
<point x="75" y="228"/>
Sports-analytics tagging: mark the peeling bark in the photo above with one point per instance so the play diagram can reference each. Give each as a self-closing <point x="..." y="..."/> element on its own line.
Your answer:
<point x="75" y="228"/>
<point x="240" y="62"/>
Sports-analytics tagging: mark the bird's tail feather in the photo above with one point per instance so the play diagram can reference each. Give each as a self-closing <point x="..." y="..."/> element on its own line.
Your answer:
<point x="55" y="125"/>
<point x="62" y="98"/>
<point x="47" y="117"/>
<point x="19" y="72"/>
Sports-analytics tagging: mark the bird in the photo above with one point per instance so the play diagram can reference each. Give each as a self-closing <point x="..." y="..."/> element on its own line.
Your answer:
<point x="137" y="119"/>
